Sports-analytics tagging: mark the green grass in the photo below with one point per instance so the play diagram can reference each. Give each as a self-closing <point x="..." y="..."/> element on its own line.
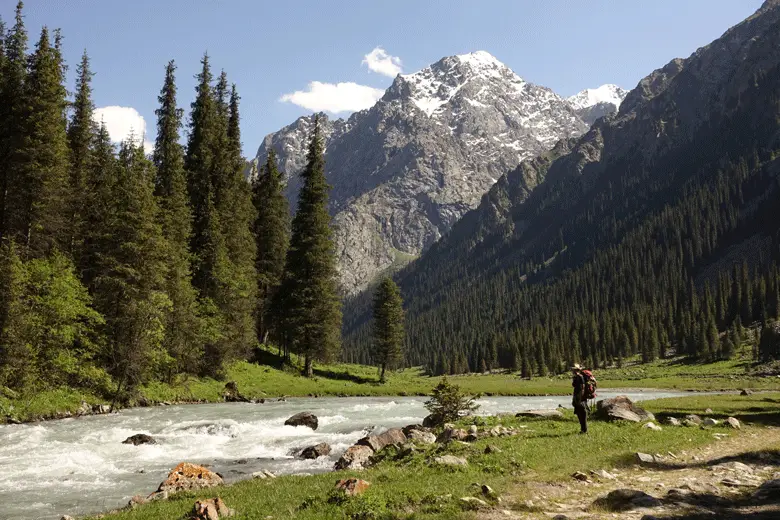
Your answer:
<point x="413" y="488"/>
<point x="273" y="380"/>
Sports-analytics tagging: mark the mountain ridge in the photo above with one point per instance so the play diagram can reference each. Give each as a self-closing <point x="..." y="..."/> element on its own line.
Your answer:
<point x="403" y="171"/>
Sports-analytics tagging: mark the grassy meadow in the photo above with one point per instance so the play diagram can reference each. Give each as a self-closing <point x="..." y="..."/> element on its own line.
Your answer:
<point x="273" y="379"/>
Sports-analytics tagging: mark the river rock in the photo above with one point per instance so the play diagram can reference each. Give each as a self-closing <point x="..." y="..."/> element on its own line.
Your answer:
<point x="451" y="460"/>
<point x="187" y="476"/>
<point x="547" y="414"/>
<point x="352" y="486"/>
<point x="303" y="419"/>
<point x="356" y="457"/>
<point x="692" y="419"/>
<point x="318" y="450"/>
<point x="84" y="409"/>
<point x="644" y="458"/>
<point x="137" y="500"/>
<point x="492" y="449"/>
<point x="232" y="395"/>
<point x="433" y="420"/>
<point x="625" y="500"/>
<point x="746" y="391"/>
<point x="673" y="421"/>
<point x="264" y="474"/>
<point x="140" y="438"/>
<point x="621" y="408"/>
<point x="378" y="442"/>
<point x="652" y="426"/>
<point x="421" y="437"/>
<point x="709" y="421"/>
<point x="101" y="408"/>
<point x="734" y="423"/>
<point x="211" y="509"/>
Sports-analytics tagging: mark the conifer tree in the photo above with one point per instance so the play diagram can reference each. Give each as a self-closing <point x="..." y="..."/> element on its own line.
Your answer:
<point x="272" y="235"/>
<point x="131" y="272"/>
<point x="312" y="307"/>
<point x="237" y="215"/>
<point x="12" y="108"/>
<point x="81" y="134"/>
<point x="389" y="332"/>
<point x="37" y="188"/>
<point x="212" y="274"/>
<point x="182" y="324"/>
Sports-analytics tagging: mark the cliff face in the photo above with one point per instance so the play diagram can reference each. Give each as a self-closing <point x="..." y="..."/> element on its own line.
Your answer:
<point x="404" y="171"/>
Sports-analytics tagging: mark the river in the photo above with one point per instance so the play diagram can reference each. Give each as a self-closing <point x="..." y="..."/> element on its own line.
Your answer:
<point x="80" y="466"/>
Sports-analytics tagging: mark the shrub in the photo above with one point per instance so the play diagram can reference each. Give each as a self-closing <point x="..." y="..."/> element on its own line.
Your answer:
<point x="448" y="403"/>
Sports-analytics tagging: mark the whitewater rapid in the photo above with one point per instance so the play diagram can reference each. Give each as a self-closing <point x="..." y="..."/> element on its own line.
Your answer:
<point x="80" y="466"/>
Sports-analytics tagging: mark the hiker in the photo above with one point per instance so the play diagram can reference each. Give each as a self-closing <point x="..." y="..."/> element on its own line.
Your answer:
<point x="579" y="400"/>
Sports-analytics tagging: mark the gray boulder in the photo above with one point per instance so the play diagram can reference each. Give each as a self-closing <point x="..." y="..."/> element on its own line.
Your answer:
<point x="421" y="437"/>
<point x="140" y="438"/>
<point x="303" y="419"/>
<point x="318" y="450"/>
<point x="451" y="460"/>
<point x="356" y="457"/>
<point x="621" y="408"/>
<point x="378" y="442"/>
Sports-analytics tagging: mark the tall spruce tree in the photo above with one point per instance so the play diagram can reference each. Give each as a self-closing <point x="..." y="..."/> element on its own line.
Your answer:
<point x="12" y="108"/>
<point x="237" y="216"/>
<point x="272" y="233"/>
<point x="312" y="305"/>
<point x="204" y="162"/>
<point x="128" y="285"/>
<point x="182" y="324"/>
<point x="81" y="135"/>
<point x="389" y="331"/>
<point x="38" y="186"/>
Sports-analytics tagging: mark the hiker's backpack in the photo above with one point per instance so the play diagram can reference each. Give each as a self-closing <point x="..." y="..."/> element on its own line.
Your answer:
<point x="590" y="385"/>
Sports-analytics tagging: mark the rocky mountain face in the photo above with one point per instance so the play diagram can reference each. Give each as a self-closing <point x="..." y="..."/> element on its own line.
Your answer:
<point x="551" y="221"/>
<point x="594" y="103"/>
<point x="404" y="171"/>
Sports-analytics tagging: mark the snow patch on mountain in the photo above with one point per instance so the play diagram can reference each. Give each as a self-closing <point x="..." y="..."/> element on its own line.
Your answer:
<point x="593" y="96"/>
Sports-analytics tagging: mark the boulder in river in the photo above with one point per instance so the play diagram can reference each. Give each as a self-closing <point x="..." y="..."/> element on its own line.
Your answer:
<point x="140" y="438"/>
<point x="318" y="450"/>
<point x="620" y="408"/>
<point x="303" y="419"/>
<point x="232" y="395"/>
<point x="356" y="457"/>
<point x="185" y="477"/>
<point x="378" y="442"/>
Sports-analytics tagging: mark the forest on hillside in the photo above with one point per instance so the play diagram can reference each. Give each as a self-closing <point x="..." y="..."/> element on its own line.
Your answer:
<point x="118" y="268"/>
<point x="668" y="254"/>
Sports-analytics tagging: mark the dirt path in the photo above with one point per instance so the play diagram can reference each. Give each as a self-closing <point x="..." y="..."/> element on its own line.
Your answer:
<point x="718" y="481"/>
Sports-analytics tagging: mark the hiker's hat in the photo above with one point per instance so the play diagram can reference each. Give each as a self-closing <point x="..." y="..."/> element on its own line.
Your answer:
<point x="576" y="366"/>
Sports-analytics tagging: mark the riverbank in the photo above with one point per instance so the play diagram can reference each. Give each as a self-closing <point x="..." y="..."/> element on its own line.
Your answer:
<point x="531" y="472"/>
<point x="256" y="381"/>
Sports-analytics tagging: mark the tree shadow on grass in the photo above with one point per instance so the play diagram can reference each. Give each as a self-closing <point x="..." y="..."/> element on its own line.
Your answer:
<point x="762" y="457"/>
<point x="344" y="376"/>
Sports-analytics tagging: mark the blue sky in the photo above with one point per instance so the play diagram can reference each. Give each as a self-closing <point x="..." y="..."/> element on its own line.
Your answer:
<point x="273" y="48"/>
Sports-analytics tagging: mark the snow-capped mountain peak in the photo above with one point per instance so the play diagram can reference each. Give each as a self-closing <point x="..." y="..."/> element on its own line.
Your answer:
<point x="434" y="86"/>
<point x="593" y="96"/>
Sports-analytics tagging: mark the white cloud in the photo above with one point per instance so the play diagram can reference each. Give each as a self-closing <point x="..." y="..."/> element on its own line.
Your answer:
<point x="121" y="122"/>
<point x="334" y="98"/>
<point x="379" y="61"/>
